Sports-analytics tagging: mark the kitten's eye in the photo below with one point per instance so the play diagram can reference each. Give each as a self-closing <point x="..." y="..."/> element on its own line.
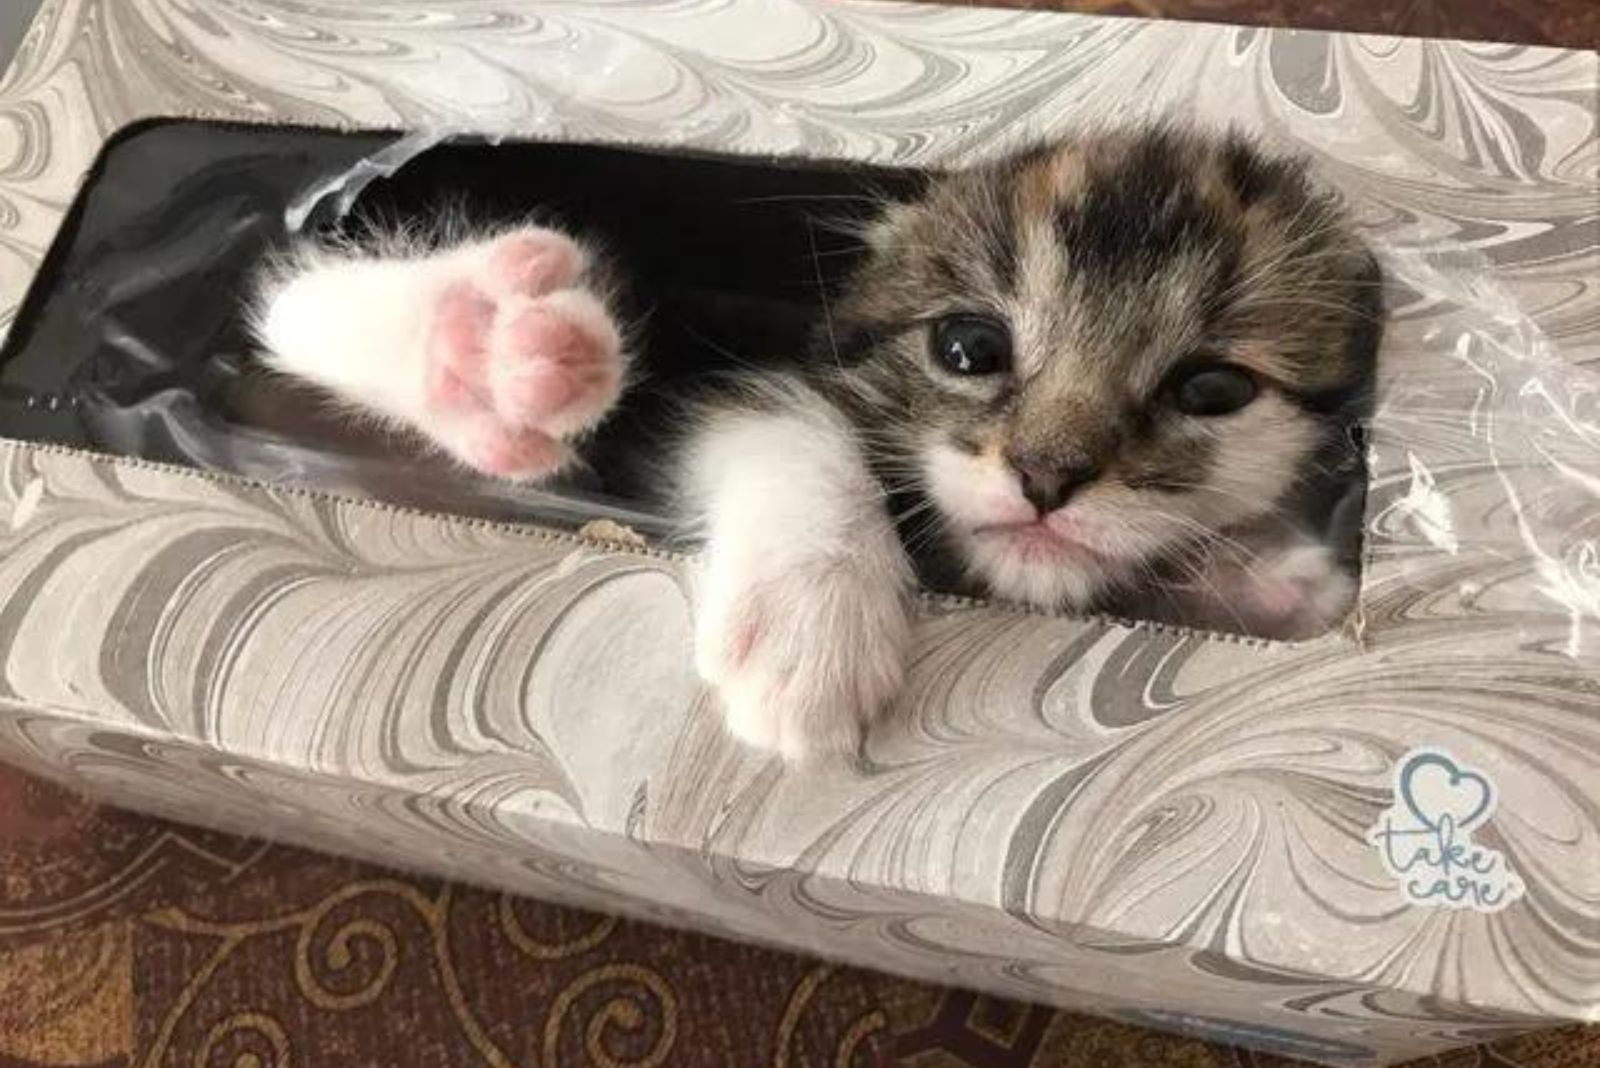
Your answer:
<point x="1213" y="391"/>
<point x="971" y="345"/>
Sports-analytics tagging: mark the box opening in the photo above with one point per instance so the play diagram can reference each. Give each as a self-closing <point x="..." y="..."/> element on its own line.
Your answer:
<point x="132" y="339"/>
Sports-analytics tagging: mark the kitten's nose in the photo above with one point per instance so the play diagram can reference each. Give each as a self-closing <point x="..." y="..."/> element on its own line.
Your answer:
<point x="1049" y="484"/>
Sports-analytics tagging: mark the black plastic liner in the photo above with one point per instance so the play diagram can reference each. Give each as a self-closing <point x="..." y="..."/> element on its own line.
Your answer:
<point x="132" y="339"/>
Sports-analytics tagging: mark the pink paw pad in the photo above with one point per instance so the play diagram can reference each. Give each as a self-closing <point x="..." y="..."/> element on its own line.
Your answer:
<point x="517" y="358"/>
<point x="494" y="450"/>
<point x="555" y="363"/>
<point x="534" y="264"/>
<point x="461" y="324"/>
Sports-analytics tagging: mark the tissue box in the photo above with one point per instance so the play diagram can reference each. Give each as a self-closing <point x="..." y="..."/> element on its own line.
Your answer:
<point x="1358" y="849"/>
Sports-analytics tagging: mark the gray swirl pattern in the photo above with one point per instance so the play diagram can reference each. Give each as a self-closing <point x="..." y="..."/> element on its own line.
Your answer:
<point x="1075" y="811"/>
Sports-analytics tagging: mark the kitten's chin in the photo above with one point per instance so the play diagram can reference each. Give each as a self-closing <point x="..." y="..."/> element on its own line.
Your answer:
<point x="1035" y="565"/>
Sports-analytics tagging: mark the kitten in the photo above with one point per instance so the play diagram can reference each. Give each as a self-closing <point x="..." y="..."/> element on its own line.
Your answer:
<point x="1122" y="373"/>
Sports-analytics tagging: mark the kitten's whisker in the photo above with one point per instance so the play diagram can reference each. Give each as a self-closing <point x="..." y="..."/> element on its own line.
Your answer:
<point x="1208" y="536"/>
<point x="723" y="351"/>
<point x="1303" y="302"/>
<point x="1284" y="254"/>
<point x="802" y="198"/>
<point x="822" y="293"/>
<point x="851" y="250"/>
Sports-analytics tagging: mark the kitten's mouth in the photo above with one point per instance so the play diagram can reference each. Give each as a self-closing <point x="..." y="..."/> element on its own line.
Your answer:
<point x="1037" y="540"/>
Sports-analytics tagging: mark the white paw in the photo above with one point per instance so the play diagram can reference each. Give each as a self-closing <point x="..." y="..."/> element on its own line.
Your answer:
<point x="498" y="350"/>
<point x="806" y="652"/>
<point x="1292" y="593"/>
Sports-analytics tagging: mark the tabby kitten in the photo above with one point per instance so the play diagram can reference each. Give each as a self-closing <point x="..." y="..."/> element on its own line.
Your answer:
<point x="1122" y="373"/>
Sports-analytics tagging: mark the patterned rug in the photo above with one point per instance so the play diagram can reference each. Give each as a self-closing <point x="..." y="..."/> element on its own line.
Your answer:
<point x="125" y="941"/>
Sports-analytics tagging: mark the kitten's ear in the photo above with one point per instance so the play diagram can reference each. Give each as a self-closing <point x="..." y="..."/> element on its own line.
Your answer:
<point x="882" y="230"/>
<point x="893" y="193"/>
<point x="1254" y="174"/>
<point x="906" y="187"/>
<point x="1030" y="154"/>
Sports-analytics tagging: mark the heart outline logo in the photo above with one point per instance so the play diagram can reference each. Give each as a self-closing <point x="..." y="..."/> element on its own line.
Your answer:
<point x="1424" y="838"/>
<point x="1422" y="800"/>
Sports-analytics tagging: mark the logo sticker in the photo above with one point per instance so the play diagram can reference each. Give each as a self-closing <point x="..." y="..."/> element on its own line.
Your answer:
<point x="1425" y="837"/>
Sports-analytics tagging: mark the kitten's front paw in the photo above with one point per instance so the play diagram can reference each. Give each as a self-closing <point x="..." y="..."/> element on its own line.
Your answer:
<point x="1292" y="593"/>
<point x="498" y="350"/>
<point x="521" y="354"/>
<point x="804" y="653"/>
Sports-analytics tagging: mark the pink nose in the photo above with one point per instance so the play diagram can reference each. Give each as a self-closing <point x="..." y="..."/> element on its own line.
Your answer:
<point x="1048" y="484"/>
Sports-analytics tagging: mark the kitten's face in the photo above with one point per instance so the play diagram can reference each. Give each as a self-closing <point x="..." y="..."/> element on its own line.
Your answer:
<point x="1093" y="359"/>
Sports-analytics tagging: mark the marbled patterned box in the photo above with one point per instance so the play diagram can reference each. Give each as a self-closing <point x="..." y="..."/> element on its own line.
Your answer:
<point x="1179" y="829"/>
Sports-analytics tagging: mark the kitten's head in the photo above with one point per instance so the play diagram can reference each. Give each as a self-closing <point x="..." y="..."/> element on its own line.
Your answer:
<point x="1094" y="357"/>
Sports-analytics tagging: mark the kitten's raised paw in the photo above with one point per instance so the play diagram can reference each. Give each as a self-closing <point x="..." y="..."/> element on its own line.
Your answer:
<point x="804" y="656"/>
<point x="520" y="355"/>
<point x="499" y="350"/>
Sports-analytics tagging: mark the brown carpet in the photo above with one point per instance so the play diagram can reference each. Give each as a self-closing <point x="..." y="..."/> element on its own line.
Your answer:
<point x="125" y="941"/>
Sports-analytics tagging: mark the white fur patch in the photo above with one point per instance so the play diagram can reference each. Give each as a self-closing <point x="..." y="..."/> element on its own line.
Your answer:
<point x="1109" y="533"/>
<point x="803" y="602"/>
<point x="1286" y="592"/>
<point x="357" y="327"/>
